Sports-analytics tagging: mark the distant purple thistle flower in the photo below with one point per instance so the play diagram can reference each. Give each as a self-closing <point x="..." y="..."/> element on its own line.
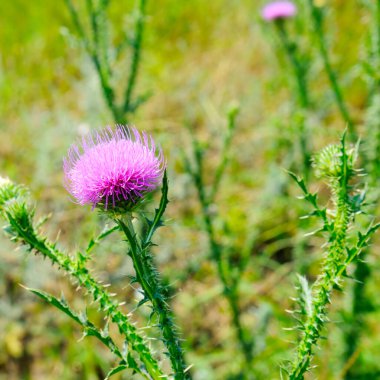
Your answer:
<point x="278" y="10"/>
<point x="113" y="168"/>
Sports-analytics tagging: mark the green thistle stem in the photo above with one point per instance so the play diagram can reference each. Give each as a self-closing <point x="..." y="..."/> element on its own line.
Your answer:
<point x="302" y="91"/>
<point x="300" y="75"/>
<point x="335" y="165"/>
<point x="230" y="291"/>
<point x="92" y="48"/>
<point x="361" y="304"/>
<point x="377" y="33"/>
<point x="323" y="288"/>
<point x="299" y="70"/>
<point x="96" y="46"/>
<point x="137" y="44"/>
<point x="23" y="230"/>
<point x="356" y="324"/>
<point x="317" y="17"/>
<point x="149" y="279"/>
<point x="230" y="285"/>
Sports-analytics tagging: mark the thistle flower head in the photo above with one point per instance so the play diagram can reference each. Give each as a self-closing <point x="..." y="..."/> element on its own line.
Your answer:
<point x="278" y="10"/>
<point x="113" y="169"/>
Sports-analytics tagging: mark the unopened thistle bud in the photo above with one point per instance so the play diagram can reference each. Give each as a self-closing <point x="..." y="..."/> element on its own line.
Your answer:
<point x="8" y="192"/>
<point x="329" y="162"/>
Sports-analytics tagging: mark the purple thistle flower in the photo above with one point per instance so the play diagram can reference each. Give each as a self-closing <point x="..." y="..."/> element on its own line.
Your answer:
<point x="278" y="10"/>
<point x="113" y="168"/>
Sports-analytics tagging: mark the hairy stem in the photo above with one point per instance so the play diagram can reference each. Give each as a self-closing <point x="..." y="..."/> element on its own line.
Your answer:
<point x="137" y="44"/>
<point x="230" y="291"/>
<point x="220" y="170"/>
<point x="354" y="328"/>
<point x="302" y="92"/>
<point x="299" y="70"/>
<point x="230" y="287"/>
<point x="361" y="304"/>
<point x="149" y="279"/>
<point x="92" y="47"/>
<point x="336" y="165"/>
<point x="23" y="230"/>
<point x="317" y="17"/>
<point x="96" y="45"/>
<point x="322" y="289"/>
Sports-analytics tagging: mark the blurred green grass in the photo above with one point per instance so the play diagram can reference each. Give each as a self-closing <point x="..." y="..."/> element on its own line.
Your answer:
<point x="198" y="57"/>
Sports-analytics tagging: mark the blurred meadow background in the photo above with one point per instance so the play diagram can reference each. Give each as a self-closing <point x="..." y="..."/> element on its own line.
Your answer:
<point x="201" y="61"/>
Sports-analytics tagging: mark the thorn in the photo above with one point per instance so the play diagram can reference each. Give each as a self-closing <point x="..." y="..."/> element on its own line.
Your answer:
<point x="188" y="368"/>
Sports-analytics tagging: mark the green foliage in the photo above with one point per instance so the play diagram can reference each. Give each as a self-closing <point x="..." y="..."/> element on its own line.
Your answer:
<point x="328" y="163"/>
<point x="149" y="279"/>
<point x="196" y="56"/>
<point x="9" y="193"/>
<point x="22" y="230"/>
<point x="372" y="153"/>
<point x="99" y="48"/>
<point x="335" y="164"/>
<point x="88" y="328"/>
<point x="228" y="272"/>
<point x="317" y="15"/>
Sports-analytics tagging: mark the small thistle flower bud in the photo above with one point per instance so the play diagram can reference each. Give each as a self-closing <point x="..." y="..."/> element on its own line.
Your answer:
<point x="279" y="10"/>
<point x="113" y="170"/>
<point x="328" y="163"/>
<point x="8" y="191"/>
